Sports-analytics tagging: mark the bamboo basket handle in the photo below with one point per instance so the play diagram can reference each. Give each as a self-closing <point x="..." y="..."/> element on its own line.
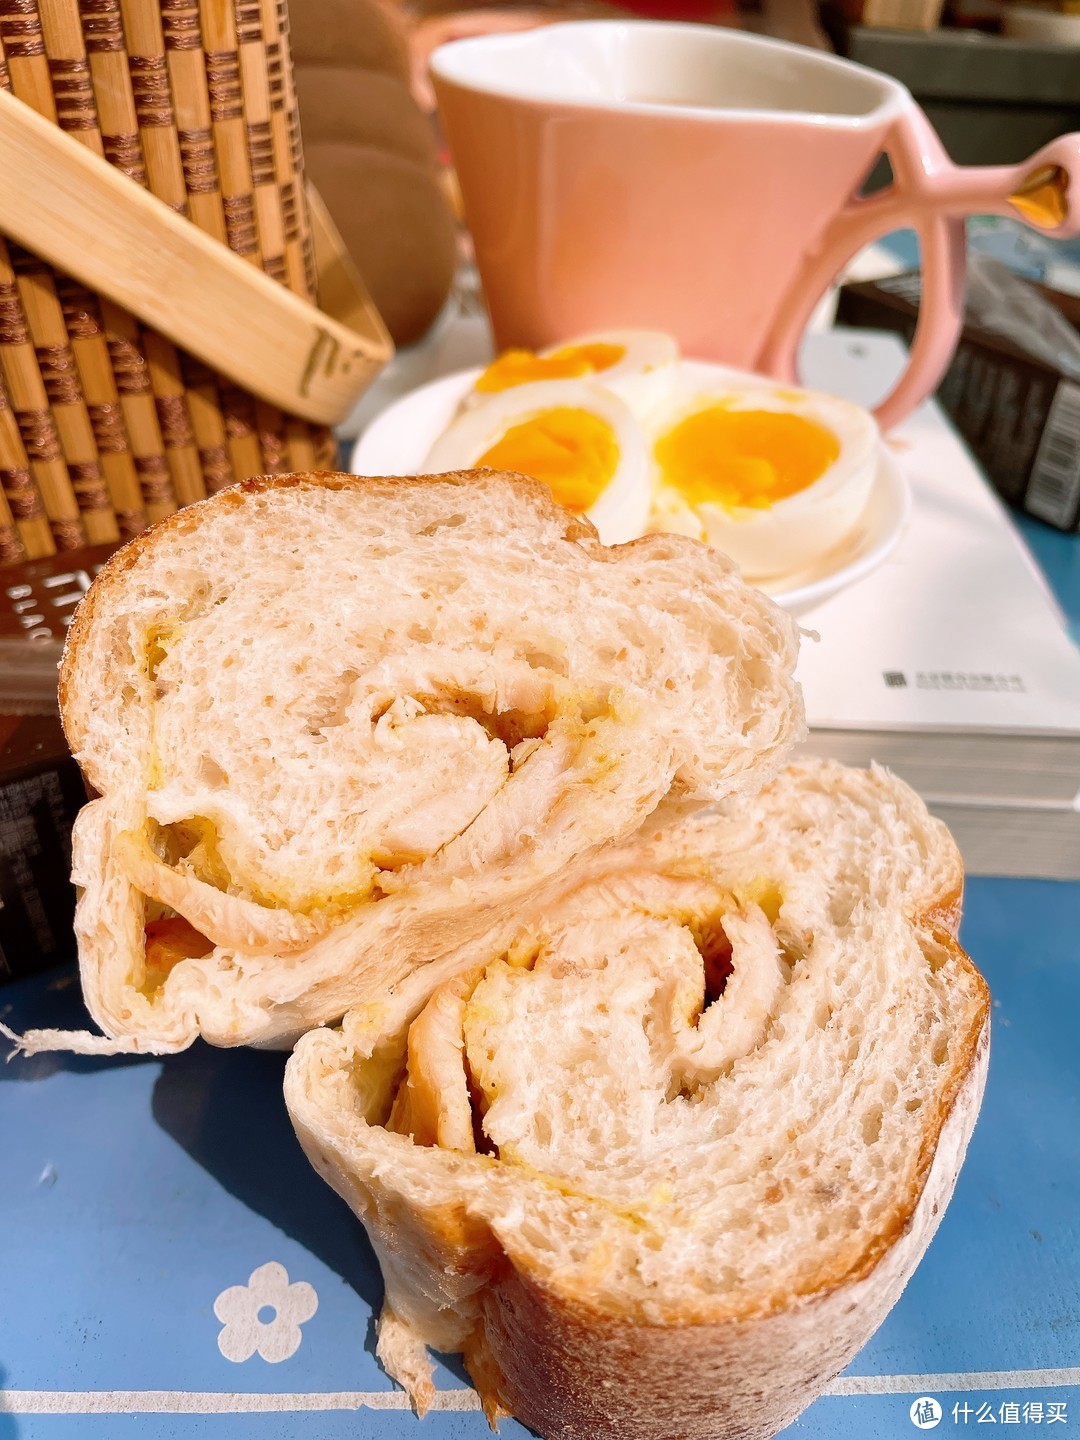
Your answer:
<point x="77" y="212"/>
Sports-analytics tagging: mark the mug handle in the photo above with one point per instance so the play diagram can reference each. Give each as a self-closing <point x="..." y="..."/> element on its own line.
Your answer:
<point x="932" y="196"/>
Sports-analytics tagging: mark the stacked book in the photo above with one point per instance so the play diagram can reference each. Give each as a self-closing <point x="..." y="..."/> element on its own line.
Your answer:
<point x="951" y="663"/>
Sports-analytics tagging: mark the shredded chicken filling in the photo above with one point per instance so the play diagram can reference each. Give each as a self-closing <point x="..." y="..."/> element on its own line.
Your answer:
<point x="679" y="984"/>
<point x="424" y="766"/>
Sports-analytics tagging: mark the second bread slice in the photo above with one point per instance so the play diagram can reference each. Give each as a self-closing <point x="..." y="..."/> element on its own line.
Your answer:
<point x="660" y="1166"/>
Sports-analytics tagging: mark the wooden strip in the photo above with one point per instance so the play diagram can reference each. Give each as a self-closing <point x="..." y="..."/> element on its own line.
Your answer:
<point x="235" y="35"/>
<point x="222" y="61"/>
<point x="264" y="76"/>
<point x="132" y="374"/>
<point x="300" y="446"/>
<point x="327" y="455"/>
<point x="174" y="417"/>
<point x="89" y="343"/>
<point x="165" y="167"/>
<point x="76" y="111"/>
<point x="296" y="265"/>
<point x="24" y="50"/>
<point x="299" y="251"/>
<point x="152" y="98"/>
<point x="103" y="36"/>
<point x="241" y="431"/>
<point x="28" y="67"/>
<point x="271" y="427"/>
<point x="259" y="48"/>
<point x="208" y="424"/>
<point x="218" y="32"/>
<point x="277" y="345"/>
<point x="22" y="499"/>
<point x="182" y="32"/>
<point x="182" y="35"/>
<point x="255" y="85"/>
<point x="21" y="496"/>
<point x="69" y="73"/>
<point x="11" y="546"/>
<point x="60" y="379"/>
<point x="88" y="35"/>
<point x="30" y="406"/>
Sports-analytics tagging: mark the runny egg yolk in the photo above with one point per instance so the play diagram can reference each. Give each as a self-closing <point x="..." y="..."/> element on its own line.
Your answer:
<point x="573" y="452"/>
<point x="744" y="458"/>
<point x="521" y="367"/>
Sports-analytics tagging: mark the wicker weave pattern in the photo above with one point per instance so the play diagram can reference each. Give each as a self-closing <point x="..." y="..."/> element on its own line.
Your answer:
<point x="105" y="426"/>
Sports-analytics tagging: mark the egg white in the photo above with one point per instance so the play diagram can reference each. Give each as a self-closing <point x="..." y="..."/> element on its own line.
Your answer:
<point x="644" y="378"/>
<point x="794" y="531"/>
<point x="621" y="510"/>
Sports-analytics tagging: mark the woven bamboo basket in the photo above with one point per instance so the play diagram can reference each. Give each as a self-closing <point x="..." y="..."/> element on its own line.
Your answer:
<point x="145" y="145"/>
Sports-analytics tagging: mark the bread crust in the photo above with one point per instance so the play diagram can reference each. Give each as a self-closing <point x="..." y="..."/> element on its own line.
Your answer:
<point x="574" y="1372"/>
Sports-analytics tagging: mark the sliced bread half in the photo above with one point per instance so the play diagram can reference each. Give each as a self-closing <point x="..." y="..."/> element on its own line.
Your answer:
<point x="339" y="726"/>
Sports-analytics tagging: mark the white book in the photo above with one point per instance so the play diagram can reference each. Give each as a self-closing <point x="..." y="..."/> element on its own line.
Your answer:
<point x="951" y="661"/>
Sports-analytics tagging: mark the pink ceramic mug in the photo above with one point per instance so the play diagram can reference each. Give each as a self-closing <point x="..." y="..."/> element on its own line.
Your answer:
<point x="705" y="182"/>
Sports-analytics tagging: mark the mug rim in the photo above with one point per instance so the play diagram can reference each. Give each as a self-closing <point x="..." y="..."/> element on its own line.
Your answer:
<point x="450" y="64"/>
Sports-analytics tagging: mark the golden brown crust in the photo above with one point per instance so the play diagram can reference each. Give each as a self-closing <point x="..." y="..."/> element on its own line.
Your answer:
<point x="576" y="1371"/>
<point x="573" y="1372"/>
<point x="947" y="909"/>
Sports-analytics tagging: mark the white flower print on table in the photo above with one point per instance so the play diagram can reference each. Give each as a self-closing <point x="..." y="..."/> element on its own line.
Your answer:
<point x="264" y="1315"/>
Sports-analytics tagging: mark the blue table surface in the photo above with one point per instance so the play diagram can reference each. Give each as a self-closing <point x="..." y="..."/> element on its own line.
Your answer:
<point x="135" y="1191"/>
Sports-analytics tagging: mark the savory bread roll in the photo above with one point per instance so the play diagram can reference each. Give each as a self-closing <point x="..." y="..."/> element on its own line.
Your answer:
<point x="661" y="1165"/>
<point x="339" y="726"/>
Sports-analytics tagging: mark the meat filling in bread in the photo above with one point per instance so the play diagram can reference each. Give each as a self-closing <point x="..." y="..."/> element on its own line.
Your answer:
<point x="662" y="1164"/>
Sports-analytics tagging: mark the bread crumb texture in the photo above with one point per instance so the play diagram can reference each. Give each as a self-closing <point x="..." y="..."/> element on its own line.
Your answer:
<point x="711" y="1101"/>
<point x="315" y="698"/>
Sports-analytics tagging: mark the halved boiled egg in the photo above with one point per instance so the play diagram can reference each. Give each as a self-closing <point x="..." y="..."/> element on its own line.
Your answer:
<point x="774" y="476"/>
<point x="580" y="440"/>
<point x="637" y="365"/>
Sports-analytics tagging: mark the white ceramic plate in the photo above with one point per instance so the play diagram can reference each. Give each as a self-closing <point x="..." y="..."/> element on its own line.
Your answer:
<point x="397" y="443"/>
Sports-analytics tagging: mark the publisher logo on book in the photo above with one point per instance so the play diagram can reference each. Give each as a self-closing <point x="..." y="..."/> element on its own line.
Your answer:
<point x="955" y="680"/>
